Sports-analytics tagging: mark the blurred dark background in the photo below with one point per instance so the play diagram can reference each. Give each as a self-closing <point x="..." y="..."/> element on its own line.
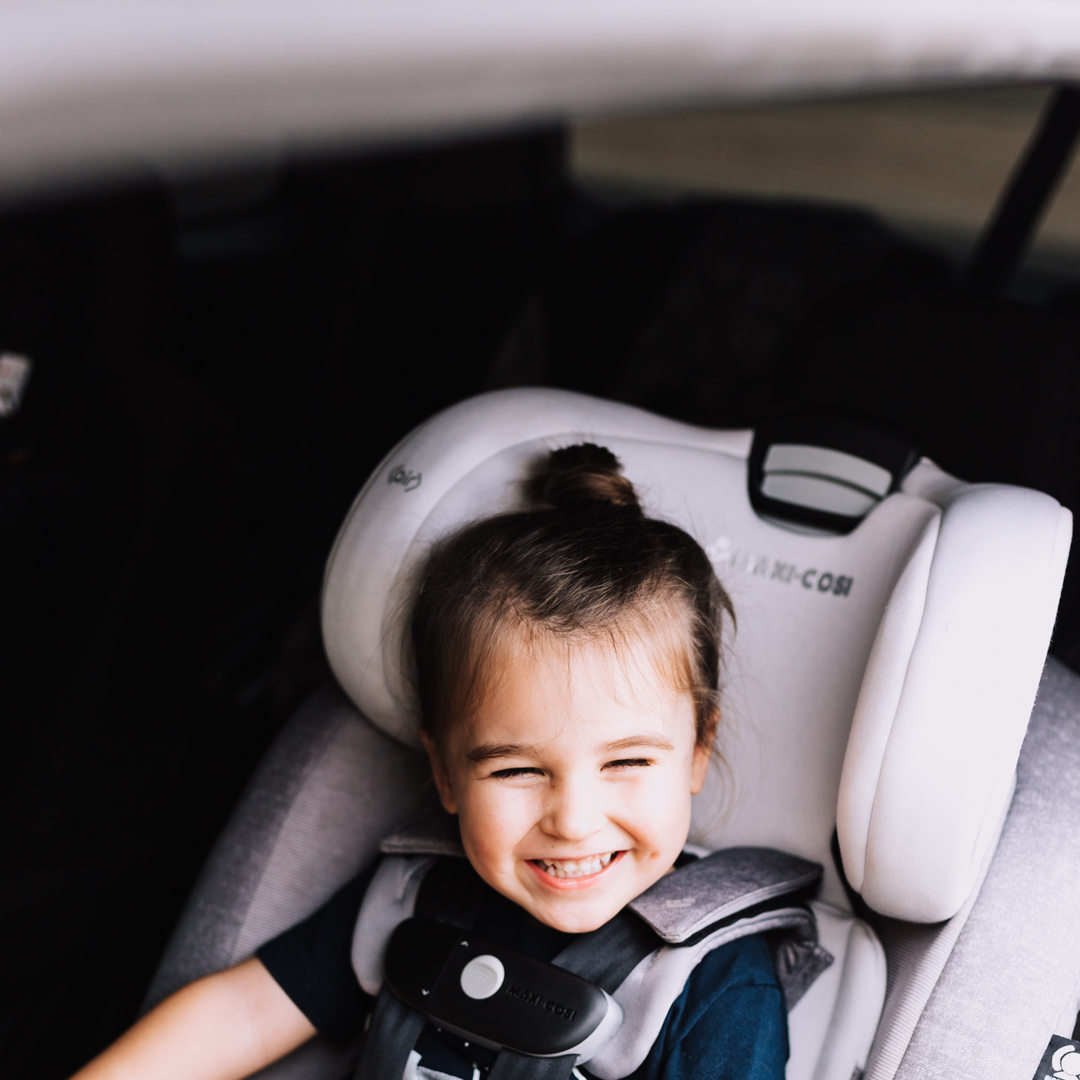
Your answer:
<point x="219" y="364"/>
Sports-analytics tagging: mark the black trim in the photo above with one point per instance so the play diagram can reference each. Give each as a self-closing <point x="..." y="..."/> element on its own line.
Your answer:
<point x="859" y="907"/>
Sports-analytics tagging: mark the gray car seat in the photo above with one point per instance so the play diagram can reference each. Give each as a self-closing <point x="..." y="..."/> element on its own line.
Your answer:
<point x="880" y="685"/>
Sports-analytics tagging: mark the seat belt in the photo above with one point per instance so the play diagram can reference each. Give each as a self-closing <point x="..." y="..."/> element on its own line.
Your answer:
<point x="605" y="957"/>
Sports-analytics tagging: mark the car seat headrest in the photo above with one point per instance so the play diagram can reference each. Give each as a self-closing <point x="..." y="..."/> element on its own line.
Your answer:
<point x="883" y="671"/>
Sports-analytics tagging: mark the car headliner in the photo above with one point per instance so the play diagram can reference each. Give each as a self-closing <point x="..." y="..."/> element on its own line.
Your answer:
<point x="97" y="88"/>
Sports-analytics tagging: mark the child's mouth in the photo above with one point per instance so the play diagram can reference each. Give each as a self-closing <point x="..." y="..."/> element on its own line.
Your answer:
<point x="575" y="868"/>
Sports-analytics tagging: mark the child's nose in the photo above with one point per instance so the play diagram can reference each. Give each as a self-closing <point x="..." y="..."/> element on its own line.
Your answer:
<point x="573" y="813"/>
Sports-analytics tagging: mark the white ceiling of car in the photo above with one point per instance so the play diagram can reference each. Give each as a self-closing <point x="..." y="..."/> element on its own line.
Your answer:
<point x="96" y="87"/>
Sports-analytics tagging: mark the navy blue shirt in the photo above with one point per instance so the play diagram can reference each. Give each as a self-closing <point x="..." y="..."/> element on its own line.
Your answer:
<point x="729" y="1023"/>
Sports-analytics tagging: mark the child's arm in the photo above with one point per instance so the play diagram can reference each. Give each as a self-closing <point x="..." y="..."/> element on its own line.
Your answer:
<point x="223" y="1027"/>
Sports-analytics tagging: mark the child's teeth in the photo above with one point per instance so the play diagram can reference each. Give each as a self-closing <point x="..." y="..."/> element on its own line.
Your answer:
<point x="567" y="868"/>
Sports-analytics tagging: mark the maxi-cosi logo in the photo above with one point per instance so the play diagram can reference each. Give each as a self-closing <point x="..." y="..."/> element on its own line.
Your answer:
<point x="408" y="479"/>
<point x="724" y="555"/>
<point x="540" y="1001"/>
<point x="1060" y="1060"/>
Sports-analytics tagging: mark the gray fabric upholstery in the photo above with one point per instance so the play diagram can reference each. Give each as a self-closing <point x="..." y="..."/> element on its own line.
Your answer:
<point x="916" y="954"/>
<point x="1010" y="980"/>
<point x="329" y="789"/>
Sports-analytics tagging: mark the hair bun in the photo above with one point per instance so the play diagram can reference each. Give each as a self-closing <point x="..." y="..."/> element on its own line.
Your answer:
<point x="581" y="474"/>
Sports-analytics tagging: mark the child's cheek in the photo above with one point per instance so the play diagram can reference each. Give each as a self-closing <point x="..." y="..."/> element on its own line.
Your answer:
<point x="657" y="810"/>
<point x="494" y="819"/>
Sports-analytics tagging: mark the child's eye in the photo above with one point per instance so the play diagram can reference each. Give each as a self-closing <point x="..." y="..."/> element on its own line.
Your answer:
<point x="509" y="774"/>
<point x="627" y="763"/>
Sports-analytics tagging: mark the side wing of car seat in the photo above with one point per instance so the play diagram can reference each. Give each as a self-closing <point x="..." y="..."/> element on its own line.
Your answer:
<point x="986" y="989"/>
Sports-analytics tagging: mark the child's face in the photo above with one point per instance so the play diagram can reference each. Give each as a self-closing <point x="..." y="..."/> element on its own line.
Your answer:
<point x="572" y="780"/>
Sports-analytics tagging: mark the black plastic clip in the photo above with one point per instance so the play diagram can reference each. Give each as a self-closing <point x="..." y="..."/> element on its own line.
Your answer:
<point x="824" y="475"/>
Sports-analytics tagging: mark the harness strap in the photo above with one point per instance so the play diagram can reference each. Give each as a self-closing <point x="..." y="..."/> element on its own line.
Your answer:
<point x="452" y="892"/>
<point x="513" y="1066"/>
<point x="606" y="956"/>
<point x="680" y="910"/>
<point x="397" y="1027"/>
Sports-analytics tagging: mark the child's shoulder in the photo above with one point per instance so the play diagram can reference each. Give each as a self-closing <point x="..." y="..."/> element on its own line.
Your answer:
<point x="729" y="1020"/>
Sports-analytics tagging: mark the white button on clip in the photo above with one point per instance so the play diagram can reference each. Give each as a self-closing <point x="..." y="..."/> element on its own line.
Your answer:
<point x="482" y="976"/>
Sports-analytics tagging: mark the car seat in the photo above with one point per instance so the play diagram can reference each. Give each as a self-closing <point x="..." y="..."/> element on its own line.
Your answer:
<point x="893" y="624"/>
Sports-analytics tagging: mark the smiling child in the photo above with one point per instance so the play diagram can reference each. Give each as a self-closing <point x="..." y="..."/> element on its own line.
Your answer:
<point x="566" y="662"/>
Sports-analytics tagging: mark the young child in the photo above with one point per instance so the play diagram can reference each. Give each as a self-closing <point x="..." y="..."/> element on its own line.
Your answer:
<point x="567" y="663"/>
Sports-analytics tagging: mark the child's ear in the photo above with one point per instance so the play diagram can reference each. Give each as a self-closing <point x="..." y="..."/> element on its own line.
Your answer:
<point x="440" y="774"/>
<point x="699" y="768"/>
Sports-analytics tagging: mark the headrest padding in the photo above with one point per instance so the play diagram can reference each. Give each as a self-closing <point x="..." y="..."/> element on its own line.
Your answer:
<point x="936" y="740"/>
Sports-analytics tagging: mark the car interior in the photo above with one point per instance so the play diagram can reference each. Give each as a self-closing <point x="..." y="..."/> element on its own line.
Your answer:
<point x="205" y="362"/>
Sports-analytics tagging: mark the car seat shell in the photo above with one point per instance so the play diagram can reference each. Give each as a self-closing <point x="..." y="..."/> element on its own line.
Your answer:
<point x="967" y="575"/>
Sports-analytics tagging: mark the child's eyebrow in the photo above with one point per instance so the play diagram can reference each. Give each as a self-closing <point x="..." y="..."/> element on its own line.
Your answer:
<point x="490" y="751"/>
<point x="658" y="742"/>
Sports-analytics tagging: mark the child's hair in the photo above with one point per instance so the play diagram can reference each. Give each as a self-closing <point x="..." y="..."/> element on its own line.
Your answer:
<point x="583" y="563"/>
